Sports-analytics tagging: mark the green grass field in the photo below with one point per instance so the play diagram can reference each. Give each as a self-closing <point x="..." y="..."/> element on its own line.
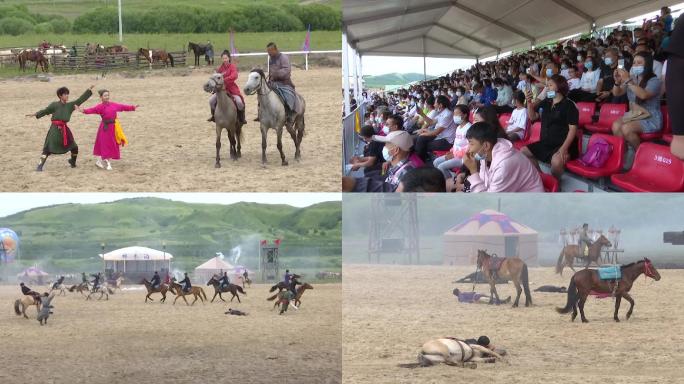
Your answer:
<point x="244" y="41"/>
<point x="73" y="8"/>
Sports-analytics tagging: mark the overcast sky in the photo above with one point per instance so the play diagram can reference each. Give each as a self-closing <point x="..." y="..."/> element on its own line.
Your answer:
<point x="17" y="202"/>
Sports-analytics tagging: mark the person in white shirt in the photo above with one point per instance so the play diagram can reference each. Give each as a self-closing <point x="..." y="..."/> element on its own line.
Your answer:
<point x="589" y="81"/>
<point x="442" y="137"/>
<point x="503" y="96"/>
<point x="573" y="80"/>
<point x="517" y="124"/>
<point x="454" y="158"/>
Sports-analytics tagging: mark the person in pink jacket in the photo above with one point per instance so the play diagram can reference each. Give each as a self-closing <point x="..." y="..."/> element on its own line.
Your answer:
<point x="502" y="167"/>
<point x="106" y="146"/>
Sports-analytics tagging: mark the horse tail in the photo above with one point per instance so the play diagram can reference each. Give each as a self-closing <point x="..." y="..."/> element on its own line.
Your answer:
<point x="239" y="288"/>
<point x="272" y="297"/>
<point x="559" y="263"/>
<point x="526" y="282"/>
<point x="171" y="59"/>
<point x="572" y="297"/>
<point x="273" y="288"/>
<point x="16" y="307"/>
<point x="202" y="293"/>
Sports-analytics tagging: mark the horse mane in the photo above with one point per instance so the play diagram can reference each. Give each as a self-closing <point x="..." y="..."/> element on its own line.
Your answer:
<point x="630" y="264"/>
<point x="259" y="71"/>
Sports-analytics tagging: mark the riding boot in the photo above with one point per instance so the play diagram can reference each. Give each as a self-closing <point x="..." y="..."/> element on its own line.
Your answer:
<point x="43" y="159"/>
<point x="72" y="160"/>
<point x="241" y="116"/>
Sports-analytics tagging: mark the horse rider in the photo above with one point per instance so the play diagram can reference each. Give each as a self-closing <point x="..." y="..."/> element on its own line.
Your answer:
<point x="58" y="282"/>
<point x="287" y="277"/>
<point x="245" y="274"/>
<point x="230" y="75"/>
<point x="156" y="280"/>
<point x="293" y="285"/>
<point x="96" y="280"/>
<point x="584" y="241"/>
<point x="224" y="281"/>
<point x="279" y="71"/>
<point x="84" y="279"/>
<point x="185" y="283"/>
<point x="29" y="292"/>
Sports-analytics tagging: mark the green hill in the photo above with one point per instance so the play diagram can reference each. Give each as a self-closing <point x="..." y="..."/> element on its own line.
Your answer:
<point x="381" y="81"/>
<point x="69" y="235"/>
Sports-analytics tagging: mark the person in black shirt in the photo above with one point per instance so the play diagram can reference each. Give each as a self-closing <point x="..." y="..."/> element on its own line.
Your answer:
<point x="559" y="117"/>
<point x="674" y="85"/>
<point x="607" y="81"/>
<point x="372" y="152"/>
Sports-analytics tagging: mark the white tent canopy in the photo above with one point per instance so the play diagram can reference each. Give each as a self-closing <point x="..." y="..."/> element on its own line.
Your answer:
<point x="215" y="264"/>
<point x="136" y="254"/>
<point x="475" y="28"/>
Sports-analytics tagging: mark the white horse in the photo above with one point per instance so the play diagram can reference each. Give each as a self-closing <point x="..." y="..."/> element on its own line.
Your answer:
<point x="455" y="352"/>
<point x="103" y="289"/>
<point x="60" y="287"/>
<point x="272" y="114"/>
<point x="226" y="117"/>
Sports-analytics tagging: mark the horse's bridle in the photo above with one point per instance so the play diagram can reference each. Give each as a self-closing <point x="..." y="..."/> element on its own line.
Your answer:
<point x="648" y="269"/>
<point x="262" y="80"/>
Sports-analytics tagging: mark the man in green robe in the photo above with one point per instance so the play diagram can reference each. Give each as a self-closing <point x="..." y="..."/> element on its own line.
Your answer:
<point x="59" y="138"/>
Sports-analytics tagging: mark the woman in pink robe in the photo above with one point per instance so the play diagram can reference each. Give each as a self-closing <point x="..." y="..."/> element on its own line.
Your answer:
<point x="105" y="143"/>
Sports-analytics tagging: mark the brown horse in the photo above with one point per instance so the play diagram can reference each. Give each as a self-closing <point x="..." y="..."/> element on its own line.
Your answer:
<point x="157" y="55"/>
<point x="32" y="55"/>
<point x="196" y="291"/>
<point x="281" y="284"/>
<point x="26" y="301"/>
<point x="232" y="288"/>
<point x="245" y="280"/>
<point x="296" y="299"/>
<point x="163" y="288"/>
<point x="81" y="288"/>
<point x="587" y="281"/>
<point x="512" y="268"/>
<point x="118" y="49"/>
<point x="571" y="252"/>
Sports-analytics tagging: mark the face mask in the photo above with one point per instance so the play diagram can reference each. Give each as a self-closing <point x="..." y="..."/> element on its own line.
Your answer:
<point x="457" y="119"/>
<point x="522" y="83"/>
<point x="608" y="61"/>
<point x="459" y="93"/>
<point x="564" y="67"/>
<point x="385" y="129"/>
<point x="550" y="94"/>
<point x="588" y="65"/>
<point x="579" y="57"/>
<point x="549" y="72"/>
<point x="386" y="155"/>
<point x="636" y="71"/>
<point x="479" y="157"/>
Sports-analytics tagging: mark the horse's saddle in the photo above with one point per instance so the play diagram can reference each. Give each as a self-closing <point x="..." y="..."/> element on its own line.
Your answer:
<point x="496" y="262"/>
<point x="287" y="95"/>
<point x="610" y="272"/>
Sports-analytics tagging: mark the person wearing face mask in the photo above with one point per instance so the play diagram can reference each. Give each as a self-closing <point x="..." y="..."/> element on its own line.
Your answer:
<point x="559" y="118"/>
<point x="442" y="137"/>
<point x="606" y="81"/>
<point x="501" y="167"/>
<point x="454" y="158"/>
<point x="588" y="82"/>
<point x="396" y="152"/>
<point x="573" y="79"/>
<point x="643" y="88"/>
<point x="490" y="93"/>
<point x="372" y="158"/>
<point x="503" y="96"/>
<point x="462" y="96"/>
<point x="517" y="124"/>
<point x="524" y="83"/>
<point x="565" y="68"/>
<point x="657" y="65"/>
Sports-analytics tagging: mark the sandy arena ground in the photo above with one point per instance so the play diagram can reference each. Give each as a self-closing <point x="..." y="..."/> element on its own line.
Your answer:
<point x="390" y="311"/>
<point x="172" y="147"/>
<point x="124" y="340"/>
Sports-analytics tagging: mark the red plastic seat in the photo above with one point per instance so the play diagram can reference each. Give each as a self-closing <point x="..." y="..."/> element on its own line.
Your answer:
<point x="613" y="165"/>
<point x="503" y="119"/>
<point x="609" y="113"/>
<point x="533" y="135"/>
<point x="586" y="113"/>
<point x="667" y="128"/>
<point x="440" y="153"/>
<point x="667" y="138"/>
<point x="655" y="169"/>
<point x="550" y="182"/>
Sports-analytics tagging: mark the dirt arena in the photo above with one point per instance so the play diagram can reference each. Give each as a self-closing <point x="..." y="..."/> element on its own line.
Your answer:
<point x="172" y="146"/>
<point x="390" y="311"/>
<point x="124" y="340"/>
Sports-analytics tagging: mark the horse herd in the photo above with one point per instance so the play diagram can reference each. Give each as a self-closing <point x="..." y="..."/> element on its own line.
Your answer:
<point x="197" y="292"/>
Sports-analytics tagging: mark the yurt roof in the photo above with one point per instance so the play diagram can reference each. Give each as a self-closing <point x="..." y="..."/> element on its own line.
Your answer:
<point x="215" y="263"/>
<point x="490" y="223"/>
<point x="137" y="254"/>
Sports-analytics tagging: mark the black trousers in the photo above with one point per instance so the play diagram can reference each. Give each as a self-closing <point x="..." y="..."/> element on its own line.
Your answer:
<point x="675" y="93"/>
<point x="426" y="144"/>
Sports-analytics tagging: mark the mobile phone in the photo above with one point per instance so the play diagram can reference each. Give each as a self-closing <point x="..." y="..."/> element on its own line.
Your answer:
<point x="621" y="63"/>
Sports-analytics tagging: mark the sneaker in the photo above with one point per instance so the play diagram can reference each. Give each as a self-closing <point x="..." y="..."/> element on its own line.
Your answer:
<point x="98" y="163"/>
<point x="109" y="165"/>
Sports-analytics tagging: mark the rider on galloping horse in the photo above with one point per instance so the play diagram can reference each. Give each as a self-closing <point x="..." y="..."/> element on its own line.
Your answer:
<point x="58" y="282"/>
<point x="156" y="280"/>
<point x="29" y="292"/>
<point x="230" y="75"/>
<point x="96" y="281"/>
<point x="224" y="281"/>
<point x="584" y="241"/>
<point x="186" y="283"/>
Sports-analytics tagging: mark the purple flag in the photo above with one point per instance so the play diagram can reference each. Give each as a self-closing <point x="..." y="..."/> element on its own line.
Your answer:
<point x="306" y="47"/>
<point x="233" y="49"/>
